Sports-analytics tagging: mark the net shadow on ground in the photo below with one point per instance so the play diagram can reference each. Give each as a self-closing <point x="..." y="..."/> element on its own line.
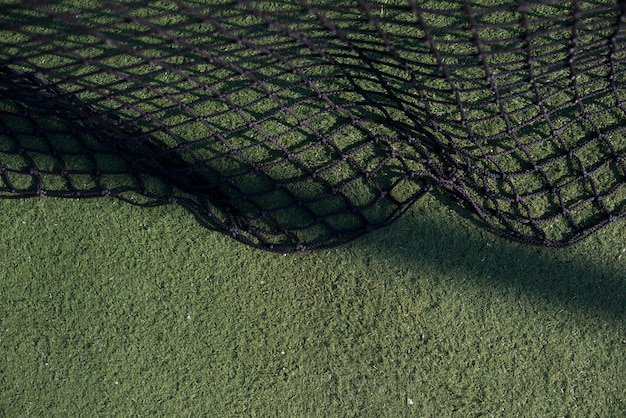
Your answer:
<point x="444" y="245"/>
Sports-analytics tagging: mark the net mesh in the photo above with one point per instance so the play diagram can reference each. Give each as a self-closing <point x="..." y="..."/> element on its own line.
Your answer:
<point x="304" y="124"/>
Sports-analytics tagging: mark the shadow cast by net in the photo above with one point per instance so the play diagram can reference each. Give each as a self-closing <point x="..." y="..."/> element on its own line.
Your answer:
<point x="426" y="243"/>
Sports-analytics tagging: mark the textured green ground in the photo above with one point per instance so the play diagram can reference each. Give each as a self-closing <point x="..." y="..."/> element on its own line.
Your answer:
<point x="108" y="309"/>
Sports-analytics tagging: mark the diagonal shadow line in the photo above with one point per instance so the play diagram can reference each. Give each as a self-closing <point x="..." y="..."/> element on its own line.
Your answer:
<point x="429" y="240"/>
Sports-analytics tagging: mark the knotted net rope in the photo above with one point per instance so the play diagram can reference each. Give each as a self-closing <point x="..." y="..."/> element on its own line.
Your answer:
<point x="303" y="124"/>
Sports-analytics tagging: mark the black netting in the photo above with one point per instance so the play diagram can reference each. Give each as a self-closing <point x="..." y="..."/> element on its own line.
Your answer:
<point x="296" y="124"/>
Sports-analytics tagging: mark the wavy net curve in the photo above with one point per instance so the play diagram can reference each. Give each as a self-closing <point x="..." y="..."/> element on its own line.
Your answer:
<point x="305" y="124"/>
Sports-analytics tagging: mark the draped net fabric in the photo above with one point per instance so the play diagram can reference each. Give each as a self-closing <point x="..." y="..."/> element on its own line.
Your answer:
<point x="303" y="124"/>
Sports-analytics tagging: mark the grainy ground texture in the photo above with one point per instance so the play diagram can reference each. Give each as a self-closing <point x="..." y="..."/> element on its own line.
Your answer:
<point x="111" y="309"/>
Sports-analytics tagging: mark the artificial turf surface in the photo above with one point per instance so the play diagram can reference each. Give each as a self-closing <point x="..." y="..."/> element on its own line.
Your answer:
<point x="110" y="309"/>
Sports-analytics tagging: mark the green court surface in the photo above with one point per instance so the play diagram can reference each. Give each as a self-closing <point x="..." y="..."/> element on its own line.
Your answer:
<point x="110" y="309"/>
